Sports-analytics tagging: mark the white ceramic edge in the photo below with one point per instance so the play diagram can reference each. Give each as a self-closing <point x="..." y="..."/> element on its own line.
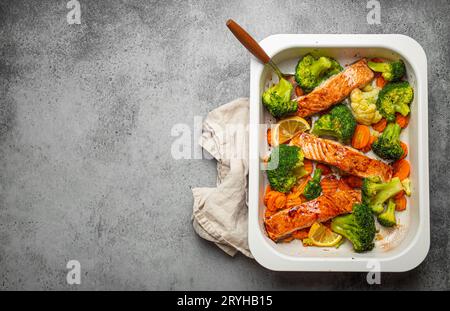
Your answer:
<point x="417" y="250"/>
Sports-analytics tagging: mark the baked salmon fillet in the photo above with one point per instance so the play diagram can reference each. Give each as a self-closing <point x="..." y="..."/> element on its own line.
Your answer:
<point x="321" y="209"/>
<point x="345" y="158"/>
<point x="335" y="89"/>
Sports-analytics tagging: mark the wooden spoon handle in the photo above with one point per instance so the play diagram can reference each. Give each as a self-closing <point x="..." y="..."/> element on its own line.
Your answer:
<point x="248" y="41"/>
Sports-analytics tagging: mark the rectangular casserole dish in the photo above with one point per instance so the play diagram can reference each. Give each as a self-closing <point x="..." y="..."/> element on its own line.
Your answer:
<point x="400" y="250"/>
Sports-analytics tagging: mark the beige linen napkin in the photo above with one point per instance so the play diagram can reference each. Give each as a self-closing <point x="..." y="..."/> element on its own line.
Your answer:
<point x="220" y="214"/>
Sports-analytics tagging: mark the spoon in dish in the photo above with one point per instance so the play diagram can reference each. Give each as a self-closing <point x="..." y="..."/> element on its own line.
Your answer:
<point x="253" y="47"/>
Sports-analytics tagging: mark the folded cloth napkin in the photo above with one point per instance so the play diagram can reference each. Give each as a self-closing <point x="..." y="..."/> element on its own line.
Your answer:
<point x="220" y="214"/>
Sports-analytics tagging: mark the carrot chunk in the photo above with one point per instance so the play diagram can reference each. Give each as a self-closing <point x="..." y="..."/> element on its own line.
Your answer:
<point x="368" y="147"/>
<point x="280" y="202"/>
<point x="405" y="150"/>
<point x="380" y="125"/>
<point x="401" y="120"/>
<point x="268" y="196"/>
<point x="400" y="203"/>
<point x="401" y="169"/>
<point x="380" y="82"/>
<point x="361" y="136"/>
<point x="276" y="201"/>
<point x="308" y="165"/>
<point x="399" y="195"/>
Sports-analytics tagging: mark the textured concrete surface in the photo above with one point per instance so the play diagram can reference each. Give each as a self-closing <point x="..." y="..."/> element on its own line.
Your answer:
<point x="85" y="118"/>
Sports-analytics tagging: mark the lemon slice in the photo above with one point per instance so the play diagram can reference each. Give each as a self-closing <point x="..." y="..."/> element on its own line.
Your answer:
<point x="321" y="235"/>
<point x="287" y="128"/>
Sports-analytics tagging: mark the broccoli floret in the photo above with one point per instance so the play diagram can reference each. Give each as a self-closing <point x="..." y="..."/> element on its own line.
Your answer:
<point x="387" y="146"/>
<point x="339" y="123"/>
<point x="277" y="99"/>
<point x="375" y="192"/>
<point x="387" y="218"/>
<point x="313" y="188"/>
<point x="390" y="71"/>
<point x="311" y="71"/>
<point x="395" y="97"/>
<point x="358" y="227"/>
<point x="284" y="163"/>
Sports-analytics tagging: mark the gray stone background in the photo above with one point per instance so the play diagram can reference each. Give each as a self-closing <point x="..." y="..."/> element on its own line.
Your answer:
<point x="85" y="118"/>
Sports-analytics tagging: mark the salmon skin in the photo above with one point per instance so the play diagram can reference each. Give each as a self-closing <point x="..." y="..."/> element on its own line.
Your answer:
<point x="335" y="89"/>
<point x="345" y="158"/>
<point x="321" y="209"/>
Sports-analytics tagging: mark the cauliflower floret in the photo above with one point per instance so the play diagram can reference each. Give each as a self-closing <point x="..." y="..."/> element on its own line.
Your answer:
<point x="406" y="183"/>
<point x="363" y="103"/>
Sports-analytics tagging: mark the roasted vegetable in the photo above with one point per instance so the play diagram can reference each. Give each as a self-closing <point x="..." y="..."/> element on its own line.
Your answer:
<point x="311" y="71"/>
<point x="401" y="168"/>
<point x="406" y="183"/>
<point x="313" y="188"/>
<point x="400" y="202"/>
<point x="388" y="146"/>
<point x="387" y="218"/>
<point x="358" y="227"/>
<point x="361" y="137"/>
<point x="363" y="103"/>
<point x="339" y="124"/>
<point x="395" y="97"/>
<point x="390" y="71"/>
<point x="284" y="167"/>
<point x="376" y="193"/>
<point x="277" y="99"/>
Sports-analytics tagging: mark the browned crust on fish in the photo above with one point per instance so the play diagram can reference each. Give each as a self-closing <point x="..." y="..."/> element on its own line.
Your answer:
<point x="325" y="207"/>
<point x="345" y="158"/>
<point x="335" y="89"/>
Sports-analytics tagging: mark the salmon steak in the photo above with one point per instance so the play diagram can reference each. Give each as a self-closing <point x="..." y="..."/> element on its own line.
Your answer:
<point x="327" y="206"/>
<point x="335" y="89"/>
<point x="345" y="158"/>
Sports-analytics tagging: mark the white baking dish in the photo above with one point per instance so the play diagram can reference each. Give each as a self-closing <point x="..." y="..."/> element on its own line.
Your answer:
<point x="400" y="250"/>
